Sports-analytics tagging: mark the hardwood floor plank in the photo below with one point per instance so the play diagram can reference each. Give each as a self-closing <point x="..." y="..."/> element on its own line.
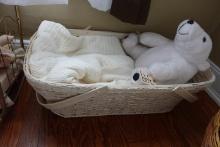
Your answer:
<point x="30" y="125"/>
<point x="11" y="129"/>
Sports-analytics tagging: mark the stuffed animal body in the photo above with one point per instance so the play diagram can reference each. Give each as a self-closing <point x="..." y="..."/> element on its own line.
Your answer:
<point x="167" y="61"/>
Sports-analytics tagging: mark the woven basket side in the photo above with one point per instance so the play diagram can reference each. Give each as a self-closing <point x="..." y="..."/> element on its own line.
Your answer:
<point x="108" y="103"/>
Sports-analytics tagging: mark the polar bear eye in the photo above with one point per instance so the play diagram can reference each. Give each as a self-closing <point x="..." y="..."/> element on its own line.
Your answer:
<point x="204" y="39"/>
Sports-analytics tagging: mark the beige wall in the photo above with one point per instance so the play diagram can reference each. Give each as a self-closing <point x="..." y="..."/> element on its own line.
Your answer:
<point x="215" y="56"/>
<point x="163" y="18"/>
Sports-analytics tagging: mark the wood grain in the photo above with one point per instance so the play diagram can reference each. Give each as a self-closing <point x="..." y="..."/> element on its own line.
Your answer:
<point x="30" y="125"/>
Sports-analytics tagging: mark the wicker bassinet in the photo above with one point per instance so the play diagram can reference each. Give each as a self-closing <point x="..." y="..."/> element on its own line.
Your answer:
<point x="77" y="100"/>
<point x="212" y="135"/>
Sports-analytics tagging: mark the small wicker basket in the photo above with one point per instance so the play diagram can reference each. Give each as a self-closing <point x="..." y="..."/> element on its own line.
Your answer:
<point x="212" y="136"/>
<point x="76" y="100"/>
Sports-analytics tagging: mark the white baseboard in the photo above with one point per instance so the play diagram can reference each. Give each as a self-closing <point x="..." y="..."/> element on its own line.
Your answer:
<point x="26" y="42"/>
<point x="214" y="90"/>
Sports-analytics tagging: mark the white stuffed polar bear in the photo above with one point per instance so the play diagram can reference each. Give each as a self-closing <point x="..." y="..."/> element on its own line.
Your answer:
<point x="167" y="61"/>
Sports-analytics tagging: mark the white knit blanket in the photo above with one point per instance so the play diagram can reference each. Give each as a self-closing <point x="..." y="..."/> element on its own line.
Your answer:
<point x="58" y="56"/>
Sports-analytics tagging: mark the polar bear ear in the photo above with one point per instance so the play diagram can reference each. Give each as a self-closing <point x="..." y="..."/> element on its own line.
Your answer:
<point x="204" y="66"/>
<point x="206" y="40"/>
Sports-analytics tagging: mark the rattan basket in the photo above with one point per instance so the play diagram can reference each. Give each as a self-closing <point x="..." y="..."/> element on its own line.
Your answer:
<point x="76" y="100"/>
<point x="212" y="136"/>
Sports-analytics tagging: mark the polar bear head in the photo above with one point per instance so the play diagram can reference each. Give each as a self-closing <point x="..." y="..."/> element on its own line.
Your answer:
<point x="193" y="42"/>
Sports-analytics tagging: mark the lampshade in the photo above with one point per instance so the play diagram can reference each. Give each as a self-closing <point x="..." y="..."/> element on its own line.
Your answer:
<point x="32" y="2"/>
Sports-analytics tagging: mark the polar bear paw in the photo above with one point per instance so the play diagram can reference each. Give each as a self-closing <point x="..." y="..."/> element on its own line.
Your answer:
<point x="130" y="41"/>
<point x="143" y="76"/>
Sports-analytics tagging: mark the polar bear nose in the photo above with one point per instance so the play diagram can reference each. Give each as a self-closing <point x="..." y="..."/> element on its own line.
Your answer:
<point x="136" y="76"/>
<point x="190" y="21"/>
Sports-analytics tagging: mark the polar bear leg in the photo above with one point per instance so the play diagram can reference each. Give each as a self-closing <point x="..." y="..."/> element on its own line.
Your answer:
<point x="130" y="41"/>
<point x="153" y="39"/>
<point x="130" y="44"/>
<point x="163" y="71"/>
<point x="136" y="51"/>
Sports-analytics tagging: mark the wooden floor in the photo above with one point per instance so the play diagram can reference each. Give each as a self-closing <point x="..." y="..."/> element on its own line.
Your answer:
<point x="30" y="125"/>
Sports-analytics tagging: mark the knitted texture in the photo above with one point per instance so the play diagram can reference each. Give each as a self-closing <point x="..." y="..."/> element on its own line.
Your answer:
<point x="58" y="56"/>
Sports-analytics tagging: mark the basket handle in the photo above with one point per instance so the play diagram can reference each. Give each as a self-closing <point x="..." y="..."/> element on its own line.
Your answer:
<point x="185" y="94"/>
<point x="71" y="100"/>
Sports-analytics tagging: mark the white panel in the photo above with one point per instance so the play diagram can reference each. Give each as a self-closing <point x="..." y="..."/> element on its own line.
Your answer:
<point x="33" y="2"/>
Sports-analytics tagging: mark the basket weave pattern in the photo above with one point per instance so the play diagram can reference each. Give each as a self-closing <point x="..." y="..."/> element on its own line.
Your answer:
<point x="212" y="136"/>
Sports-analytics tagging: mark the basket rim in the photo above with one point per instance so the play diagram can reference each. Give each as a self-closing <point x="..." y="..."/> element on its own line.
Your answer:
<point x="95" y="85"/>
